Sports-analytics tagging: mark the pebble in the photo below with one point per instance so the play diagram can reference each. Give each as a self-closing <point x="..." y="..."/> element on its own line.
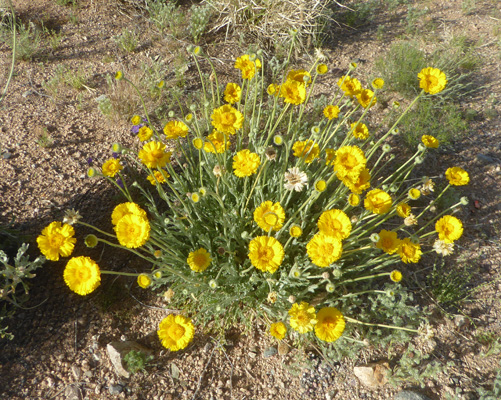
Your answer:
<point x="270" y="352"/>
<point x="115" y="389"/>
<point x="409" y="395"/>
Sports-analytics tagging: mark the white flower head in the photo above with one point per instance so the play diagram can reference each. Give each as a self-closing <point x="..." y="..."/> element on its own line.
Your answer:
<point x="443" y="248"/>
<point x="71" y="217"/>
<point x="295" y="179"/>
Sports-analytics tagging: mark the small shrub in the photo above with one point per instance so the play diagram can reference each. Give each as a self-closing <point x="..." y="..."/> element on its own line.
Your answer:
<point x="127" y="41"/>
<point x="165" y="15"/>
<point x="199" y="19"/>
<point x="136" y="361"/>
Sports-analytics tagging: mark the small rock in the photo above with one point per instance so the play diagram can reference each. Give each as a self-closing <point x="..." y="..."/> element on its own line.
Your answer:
<point x="283" y="348"/>
<point x="118" y="350"/>
<point x="270" y="351"/>
<point x="174" y="371"/>
<point x="373" y="375"/>
<point x="115" y="389"/>
<point x="76" y="372"/>
<point x="72" y="392"/>
<point x="459" y="321"/>
<point x="6" y="155"/>
<point x="409" y="395"/>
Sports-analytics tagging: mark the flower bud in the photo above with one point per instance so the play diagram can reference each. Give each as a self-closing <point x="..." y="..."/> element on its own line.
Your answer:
<point x="117" y="148"/>
<point x="374" y="238"/>
<point x="330" y="288"/>
<point x="464" y="201"/>
<point x="325" y="275"/>
<point x="386" y="148"/>
<point x="212" y="284"/>
<point x="292" y="299"/>
<point x="91" y="241"/>
<point x="171" y="114"/>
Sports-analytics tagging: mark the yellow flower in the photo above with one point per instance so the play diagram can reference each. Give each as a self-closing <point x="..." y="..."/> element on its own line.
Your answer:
<point x="266" y="253"/>
<point x="132" y="231"/>
<point x="324" y="250"/>
<point x="378" y="83"/>
<point x="322" y="69"/>
<point x="144" y="134"/>
<point x="176" y="332"/>
<point x="307" y="149"/>
<point x="273" y="90"/>
<point x="217" y="142"/>
<point x="157" y="177"/>
<point x="320" y="186"/>
<point x="414" y="194"/>
<point x="365" y="97"/>
<point x="111" y="167"/>
<point x="360" y="130"/>
<point x="82" y="275"/>
<point x="56" y="240"/>
<point x="330" y="324"/>
<point x="409" y="252"/>
<point x="302" y="317"/>
<point x="199" y="260"/>
<point x="143" y="280"/>
<point x="232" y="93"/>
<point x="278" y="330"/>
<point x="350" y="86"/>
<point x="449" y="228"/>
<point x="198" y="143"/>
<point x="119" y="75"/>
<point x="353" y="200"/>
<point x="432" y="80"/>
<point x="350" y="161"/>
<point x="429" y="141"/>
<point x="248" y="67"/>
<point x="227" y="119"/>
<point x="245" y="163"/>
<point x="175" y="129"/>
<point x="378" y="201"/>
<point x="269" y="216"/>
<point x="331" y="112"/>
<point x="295" y="231"/>
<point x="153" y="155"/>
<point x="396" y="275"/>
<point x="359" y="183"/>
<point x="126" y="209"/>
<point x="403" y="210"/>
<point x="334" y="223"/>
<point x="293" y="92"/>
<point x="457" y="176"/>
<point x="300" y="76"/>
<point x="388" y="241"/>
<point x="188" y="118"/>
<point x="136" y="120"/>
<point x="330" y="155"/>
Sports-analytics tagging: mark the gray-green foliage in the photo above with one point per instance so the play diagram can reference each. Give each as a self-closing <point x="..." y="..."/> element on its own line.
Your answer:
<point x="200" y="16"/>
<point x="14" y="288"/>
<point x="165" y="15"/>
<point x="28" y="40"/>
<point x="495" y="392"/>
<point x="449" y="287"/>
<point x="127" y="41"/>
<point x="136" y="361"/>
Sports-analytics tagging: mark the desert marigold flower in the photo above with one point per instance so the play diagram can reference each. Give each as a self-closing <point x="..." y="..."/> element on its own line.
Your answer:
<point x="410" y="220"/>
<point x="353" y="200"/>
<point x="175" y="129"/>
<point x="330" y="324"/>
<point x="388" y="241"/>
<point x="449" y="228"/>
<point x="457" y="176"/>
<point x="189" y="117"/>
<point x="266" y="253"/>
<point x="295" y="231"/>
<point x="334" y="223"/>
<point x="295" y="179"/>
<point x="217" y="142"/>
<point x="330" y="155"/>
<point x="322" y="69"/>
<point x="199" y="260"/>
<point x="145" y="133"/>
<point x="91" y="172"/>
<point x="195" y="197"/>
<point x="378" y="83"/>
<point x="119" y="75"/>
<point x="245" y="163"/>
<point x="135" y="120"/>
<point x="56" y="240"/>
<point x="300" y="76"/>
<point x="366" y="97"/>
<point x="302" y="317"/>
<point x="126" y="209"/>
<point x="232" y="93"/>
<point x="350" y="161"/>
<point x="111" y="167"/>
<point x="320" y="185"/>
<point x="198" y="143"/>
<point x="143" y="280"/>
<point x="132" y="231"/>
<point x="161" y="84"/>
<point x="308" y="149"/>
<point x="350" y="86"/>
<point x="409" y="252"/>
<point x="403" y="210"/>
<point x="247" y="67"/>
<point x="272" y="89"/>
<point x="82" y="275"/>
<point x="293" y="92"/>
<point x="396" y="275"/>
<point x="443" y="248"/>
<point x="153" y="155"/>
<point x="278" y="330"/>
<point x="91" y="241"/>
<point x="378" y="201"/>
<point x="414" y="194"/>
<point x="176" y="332"/>
<point x="359" y="130"/>
<point x="323" y="250"/>
<point x="227" y="119"/>
<point x="331" y="112"/>
<point x="429" y="141"/>
<point x="358" y="183"/>
<point x="269" y="216"/>
<point x="432" y="80"/>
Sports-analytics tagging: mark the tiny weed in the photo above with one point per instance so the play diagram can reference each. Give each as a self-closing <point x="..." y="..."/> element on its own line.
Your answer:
<point x="28" y="40"/>
<point x="45" y="140"/>
<point x="73" y="18"/>
<point x="127" y="41"/>
<point x="166" y="16"/>
<point x="381" y="29"/>
<point x="136" y="361"/>
<point x="468" y="6"/>
<point x="414" y="15"/>
<point x="69" y="3"/>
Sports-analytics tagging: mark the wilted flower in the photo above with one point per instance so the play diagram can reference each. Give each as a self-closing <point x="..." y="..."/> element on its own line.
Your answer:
<point x="443" y="248"/>
<point x="410" y="220"/>
<point x="270" y="154"/>
<point x="295" y="179"/>
<point x="272" y="297"/>
<point x="71" y="217"/>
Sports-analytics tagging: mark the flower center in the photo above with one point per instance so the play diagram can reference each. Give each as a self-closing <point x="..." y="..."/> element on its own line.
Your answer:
<point x="228" y="118"/>
<point x="176" y="332"/>
<point x="84" y="274"/>
<point x="56" y="240"/>
<point x="270" y="218"/>
<point x="200" y="260"/>
<point x="329" y="322"/>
